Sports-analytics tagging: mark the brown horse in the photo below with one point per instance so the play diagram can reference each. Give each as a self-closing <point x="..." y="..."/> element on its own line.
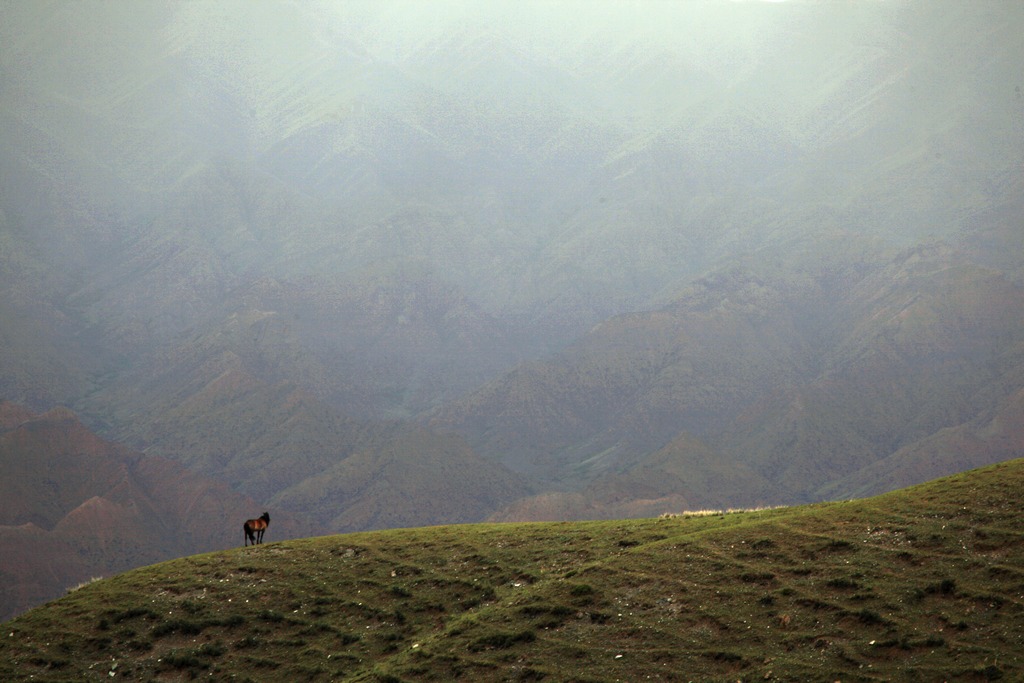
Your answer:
<point x="254" y="528"/>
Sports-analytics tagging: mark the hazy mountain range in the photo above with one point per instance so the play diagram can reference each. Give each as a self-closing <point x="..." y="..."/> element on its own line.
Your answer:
<point x="403" y="263"/>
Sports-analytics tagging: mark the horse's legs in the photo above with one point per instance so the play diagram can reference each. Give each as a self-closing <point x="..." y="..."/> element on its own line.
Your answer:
<point x="252" y="535"/>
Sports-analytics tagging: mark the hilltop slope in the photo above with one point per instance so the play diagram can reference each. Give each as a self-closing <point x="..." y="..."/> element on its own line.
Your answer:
<point x="924" y="582"/>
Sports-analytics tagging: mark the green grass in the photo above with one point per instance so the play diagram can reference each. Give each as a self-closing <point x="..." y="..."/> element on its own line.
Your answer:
<point x="922" y="584"/>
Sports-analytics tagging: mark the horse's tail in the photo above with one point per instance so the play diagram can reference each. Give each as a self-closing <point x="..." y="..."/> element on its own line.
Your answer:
<point x="245" y="534"/>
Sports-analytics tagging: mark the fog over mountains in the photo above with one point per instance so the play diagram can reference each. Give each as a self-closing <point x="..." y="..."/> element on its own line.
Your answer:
<point x="398" y="263"/>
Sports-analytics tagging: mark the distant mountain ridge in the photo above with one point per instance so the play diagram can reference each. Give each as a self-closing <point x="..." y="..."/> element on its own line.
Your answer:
<point x="795" y="381"/>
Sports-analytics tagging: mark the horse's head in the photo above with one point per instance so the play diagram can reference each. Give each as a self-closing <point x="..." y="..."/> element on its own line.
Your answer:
<point x="265" y="517"/>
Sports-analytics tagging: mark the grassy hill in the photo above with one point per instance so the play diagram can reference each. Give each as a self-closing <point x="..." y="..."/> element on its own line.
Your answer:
<point x="920" y="584"/>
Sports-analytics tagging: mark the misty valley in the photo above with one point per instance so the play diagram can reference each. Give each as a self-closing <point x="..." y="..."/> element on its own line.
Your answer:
<point x="399" y="264"/>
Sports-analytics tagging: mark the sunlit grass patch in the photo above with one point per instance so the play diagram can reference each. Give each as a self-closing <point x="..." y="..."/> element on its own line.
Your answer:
<point x="83" y="584"/>
<point x="718" y="512"/>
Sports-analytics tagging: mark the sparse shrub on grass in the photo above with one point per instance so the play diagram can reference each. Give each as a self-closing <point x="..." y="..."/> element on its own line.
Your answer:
<point x="991" y="673"/>
<point x="318" y="627"/>
<point x="842" y="582"/>
<point x="944" y="587"/>
<point x="460" y="627"/>
<point x="816" y="604"/>
<point x="529" y="674"/>
<point x="262" y="663"/>
<point x="501" y="641"/>
<point x="388" y="636"/>
<point x="870" y="617"/>
<point x="48" y="662"/>
<point x="176" y="659"/>
<point x="348" y="638"/>
<point x="290" y="642"/>
<point x="388" y="641"/>
<point x="469" y="603"/>
<point x="992" y="600"/>
<point x="528" y="578"/>
<point x="429" y="606"/>
<point x="140" y="645"/>
<point x="541" y="610"/>
<point x="400" y="592"/>
<point x="117" y="616"/>
<point x="214" y="649"/>
<point x="247" y="642"/>
<point x="313" y="653"/>
<point x="309" y="673"/>
<point x="908" y="558"/>
<point x="725" y="656"/>
<point x="192" y="607"/>
<point x="182" y="626"/>
<point x="271" y="616"/>
<point x="98" y="642"/>
<point x="757" y="577"/>
<point x="547" y="616"/>
<point x="343" y="658"/>
<point x="233" y="621"/>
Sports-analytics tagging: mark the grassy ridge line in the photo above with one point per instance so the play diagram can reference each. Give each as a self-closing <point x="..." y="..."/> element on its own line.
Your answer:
<point x="925" y="583"/>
